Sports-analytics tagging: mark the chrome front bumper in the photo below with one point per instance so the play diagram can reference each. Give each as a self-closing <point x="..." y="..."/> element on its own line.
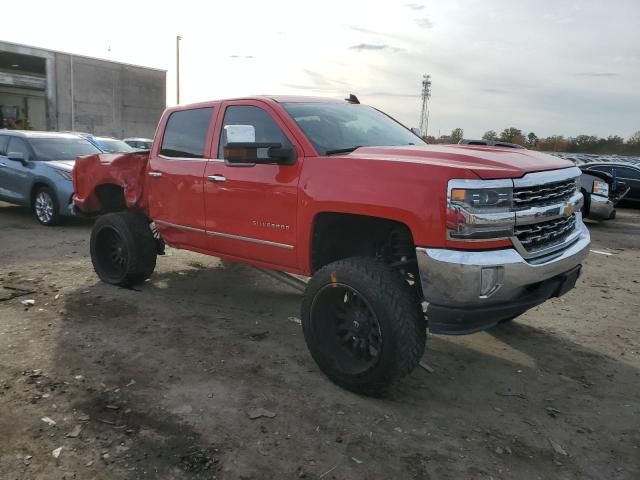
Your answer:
<point x="600" y="207"/>
<point x="451" y="282"/>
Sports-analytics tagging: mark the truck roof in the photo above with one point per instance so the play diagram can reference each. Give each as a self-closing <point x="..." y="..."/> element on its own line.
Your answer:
<point x="268" y="98"/>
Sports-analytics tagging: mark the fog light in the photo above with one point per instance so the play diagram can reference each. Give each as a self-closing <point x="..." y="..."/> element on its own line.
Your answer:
<point x="490" y="280"/>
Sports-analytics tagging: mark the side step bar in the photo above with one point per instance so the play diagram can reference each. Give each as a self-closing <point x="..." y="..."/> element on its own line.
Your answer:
<point x="286" y="278"/>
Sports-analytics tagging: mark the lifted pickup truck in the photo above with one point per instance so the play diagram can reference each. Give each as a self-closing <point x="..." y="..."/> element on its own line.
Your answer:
<point x="396" y="235"/>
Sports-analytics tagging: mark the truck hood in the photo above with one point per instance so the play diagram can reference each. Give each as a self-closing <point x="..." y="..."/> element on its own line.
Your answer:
<point x="486" y="162"/>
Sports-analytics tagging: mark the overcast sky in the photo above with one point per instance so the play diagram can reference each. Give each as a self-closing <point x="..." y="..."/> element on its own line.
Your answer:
<point x="547" y="66"/>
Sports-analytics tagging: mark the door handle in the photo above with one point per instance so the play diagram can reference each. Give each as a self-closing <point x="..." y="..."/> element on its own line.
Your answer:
<point x="155" y="174"/>
<point x="217" y="178"/>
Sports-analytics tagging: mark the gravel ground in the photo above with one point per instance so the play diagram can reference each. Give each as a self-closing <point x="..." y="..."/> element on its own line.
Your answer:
<point x="163" y="381"/>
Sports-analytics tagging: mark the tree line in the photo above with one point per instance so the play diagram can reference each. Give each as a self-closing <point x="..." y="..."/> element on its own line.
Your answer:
<point x="613" y="144"/>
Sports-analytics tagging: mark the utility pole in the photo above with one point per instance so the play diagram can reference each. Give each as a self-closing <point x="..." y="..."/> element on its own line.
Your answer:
<point x="178" y="38"/>
<point x="426" y="95"/>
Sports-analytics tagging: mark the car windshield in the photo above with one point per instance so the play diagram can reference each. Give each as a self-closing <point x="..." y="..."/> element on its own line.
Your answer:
<point x="112" y="145"/>
<point x="61" y="148"/>
<point x="342" y="127"/>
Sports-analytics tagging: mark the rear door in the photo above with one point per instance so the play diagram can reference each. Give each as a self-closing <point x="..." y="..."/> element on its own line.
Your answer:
<point x="16" y="178"/>
<point x="175" y="177"/>
<point x="251" y="210"/>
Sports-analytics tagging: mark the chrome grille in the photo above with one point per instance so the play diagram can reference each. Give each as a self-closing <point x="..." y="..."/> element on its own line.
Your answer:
<point x="536" y="195"/>
<point x="545" y="234"/>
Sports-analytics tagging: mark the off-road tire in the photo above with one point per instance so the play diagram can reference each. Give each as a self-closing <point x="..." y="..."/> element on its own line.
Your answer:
<point x="127" y="235"/>
<point x="50" y="216"/>
<point x="396" y="309"/>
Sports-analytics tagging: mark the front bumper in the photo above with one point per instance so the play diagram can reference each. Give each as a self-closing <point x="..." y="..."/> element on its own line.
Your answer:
<point x="600" y="207"/>
<point x="451" y="283"/>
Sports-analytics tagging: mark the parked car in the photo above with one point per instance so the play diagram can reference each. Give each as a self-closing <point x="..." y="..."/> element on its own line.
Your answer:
<point x="345" y="194"/>
<point x="35" y="171"/>
<point x="139" y="143"/>
<point x="106" y="144"/>
<point x="601" y="192"/>
<point x="621" y="171"/>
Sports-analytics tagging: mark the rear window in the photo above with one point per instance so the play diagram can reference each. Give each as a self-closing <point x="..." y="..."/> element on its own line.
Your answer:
<point x="112" y="145"/>
<point x="186" y="133"/>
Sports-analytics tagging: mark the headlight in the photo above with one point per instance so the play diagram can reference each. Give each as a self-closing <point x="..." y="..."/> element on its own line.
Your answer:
<point x="480" y="209"/>
<point x="483" y="198"/>
<point x="64" y="174"/>
<point x="601" y="188"/>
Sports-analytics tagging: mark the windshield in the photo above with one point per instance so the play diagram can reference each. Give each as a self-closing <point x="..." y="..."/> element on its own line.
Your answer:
<point x="112" y="145"/>
<point x="341" y="127"/>
<point x="61" y="148"/>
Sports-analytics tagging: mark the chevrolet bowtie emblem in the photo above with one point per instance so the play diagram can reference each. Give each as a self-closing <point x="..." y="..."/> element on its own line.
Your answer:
<point x="569" y="210"/>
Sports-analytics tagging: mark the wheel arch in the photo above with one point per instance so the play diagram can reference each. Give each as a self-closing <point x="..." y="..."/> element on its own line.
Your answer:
<point x="359" y="235"/>
<point x="37" y="184"/>
<point x="111" y="197"/>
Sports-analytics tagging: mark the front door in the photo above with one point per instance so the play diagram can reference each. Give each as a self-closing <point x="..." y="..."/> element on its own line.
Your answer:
<point x="631" y="177"/>
<point x="251" y="211"/>
<point x="175" y="177"/>
<point x="16" y="178"/>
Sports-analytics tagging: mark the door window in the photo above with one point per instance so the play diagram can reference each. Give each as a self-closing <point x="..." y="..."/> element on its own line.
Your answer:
<point x="186" y="133"/>
<point x="601" y="168"/>
<point x="19" y="145"/>
<point x="267" y="131"/>
<point x="628" y="173"/>
<point x="4" y="141"/>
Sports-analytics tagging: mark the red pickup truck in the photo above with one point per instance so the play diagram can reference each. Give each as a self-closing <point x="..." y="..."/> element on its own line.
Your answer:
<point x="396" y="235"/>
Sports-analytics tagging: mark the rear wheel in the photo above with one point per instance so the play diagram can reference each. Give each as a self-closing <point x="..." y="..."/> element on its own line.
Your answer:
<point x="363" y="324"/>
<point x="45" y="206"/>
<point x="123" y="250"/>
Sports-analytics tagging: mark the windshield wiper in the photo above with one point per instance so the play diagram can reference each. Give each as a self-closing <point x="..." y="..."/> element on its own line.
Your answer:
<point x="342" y="150"/>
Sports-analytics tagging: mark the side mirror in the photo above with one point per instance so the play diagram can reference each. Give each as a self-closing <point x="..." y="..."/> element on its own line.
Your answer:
<point x="248" y="154"/>
<point x="239" y="134"/>
<point x="242" y="150"/>
<point x="417" y="131"/>
<point x="17" y="157"/>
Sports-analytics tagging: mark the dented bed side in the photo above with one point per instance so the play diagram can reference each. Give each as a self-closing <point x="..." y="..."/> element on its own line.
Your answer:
<point x="126" y="171"/>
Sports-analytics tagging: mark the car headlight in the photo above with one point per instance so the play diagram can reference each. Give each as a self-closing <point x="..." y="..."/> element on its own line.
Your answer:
<point x="601" y="188"/>
<point x="480" y="209"/>
<point x="64" y="174"/>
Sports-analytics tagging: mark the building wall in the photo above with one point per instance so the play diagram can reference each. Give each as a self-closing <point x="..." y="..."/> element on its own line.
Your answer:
<point x="108" y="98"/>
<point x="86" y="94"/>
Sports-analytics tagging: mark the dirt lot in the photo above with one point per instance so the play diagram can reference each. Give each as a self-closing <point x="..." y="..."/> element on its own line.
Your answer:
<point x="159" y="382"/>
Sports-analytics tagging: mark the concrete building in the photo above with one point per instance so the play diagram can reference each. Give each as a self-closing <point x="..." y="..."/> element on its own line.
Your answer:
<point x="48" y="90"/>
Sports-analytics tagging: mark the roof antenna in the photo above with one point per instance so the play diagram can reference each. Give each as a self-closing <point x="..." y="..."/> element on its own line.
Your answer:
<point x="352" y="99"/>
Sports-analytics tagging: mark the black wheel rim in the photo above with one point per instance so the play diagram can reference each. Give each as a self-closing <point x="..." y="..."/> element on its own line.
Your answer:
<point x="347" y="329"/>
<point x="112" y="252"/>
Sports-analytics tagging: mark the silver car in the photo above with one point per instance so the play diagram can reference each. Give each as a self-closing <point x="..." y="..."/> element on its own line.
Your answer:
<point x="35" y="171"/>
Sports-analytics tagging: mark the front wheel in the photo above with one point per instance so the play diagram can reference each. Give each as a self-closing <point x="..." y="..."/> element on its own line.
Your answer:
<point x="123" y="250"/>
<point x="363" y="325"/>
<point x="45" y="207"/>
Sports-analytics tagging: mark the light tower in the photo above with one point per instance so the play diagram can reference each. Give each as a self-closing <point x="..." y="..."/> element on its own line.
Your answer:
<point x="426" y="95"/>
